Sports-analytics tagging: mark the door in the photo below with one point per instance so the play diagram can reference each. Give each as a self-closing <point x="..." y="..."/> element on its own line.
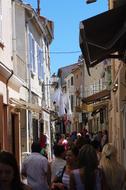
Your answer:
<point x="15" y="136"/>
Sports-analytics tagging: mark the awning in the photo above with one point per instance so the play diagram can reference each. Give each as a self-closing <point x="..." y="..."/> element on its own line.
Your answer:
<point x="104" y="94"/>
<point x="25" y="105"/>
<point x="92" y="107"/>
<point x="84" y="108"/>
<point x="100" y="105"/>
<point x="102" y="35"/>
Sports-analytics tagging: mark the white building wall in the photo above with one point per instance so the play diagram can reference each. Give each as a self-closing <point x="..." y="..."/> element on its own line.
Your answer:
<point x="3" y="91"/>
<point x="6" y="52"/>
<point x="6" y="40"/>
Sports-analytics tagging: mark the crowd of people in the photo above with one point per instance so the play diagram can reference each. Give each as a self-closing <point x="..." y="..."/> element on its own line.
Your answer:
<point x="81" y="161"/>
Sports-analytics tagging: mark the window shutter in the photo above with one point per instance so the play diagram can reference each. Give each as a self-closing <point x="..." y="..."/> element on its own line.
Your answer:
<point x="33" y="56"/>
<point x="38" y="61"/>
<point x="32" y="53"/>
<point x="40" y="64"/>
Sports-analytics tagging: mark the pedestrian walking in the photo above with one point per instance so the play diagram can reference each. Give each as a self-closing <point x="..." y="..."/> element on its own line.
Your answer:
<point x="114" y="172"/>
<point x="9" y="173"/>
<point x="97" y="146"/>
<point x="88" y="176"/>
<point x="36" y="169"/>
<point x="58" y="162"/>
<point x="62" y="178"/>
<point x="104" y="139"/>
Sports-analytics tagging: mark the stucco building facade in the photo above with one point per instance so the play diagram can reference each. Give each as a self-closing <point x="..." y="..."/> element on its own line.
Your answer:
<point x="24" y="71"/>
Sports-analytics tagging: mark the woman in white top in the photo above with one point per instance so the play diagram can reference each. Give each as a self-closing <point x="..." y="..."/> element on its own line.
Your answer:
<point x="62" y="179"/>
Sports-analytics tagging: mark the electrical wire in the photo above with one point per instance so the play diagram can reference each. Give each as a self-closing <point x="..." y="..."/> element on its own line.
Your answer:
<point x="63" y="52"/>
<point x="56" y="52"/>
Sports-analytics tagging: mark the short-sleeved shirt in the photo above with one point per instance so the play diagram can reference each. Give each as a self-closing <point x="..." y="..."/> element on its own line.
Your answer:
<point x="36" y="167"/>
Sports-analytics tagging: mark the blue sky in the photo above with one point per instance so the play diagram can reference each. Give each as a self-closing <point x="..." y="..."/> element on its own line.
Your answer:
<point x="66" y="15"/>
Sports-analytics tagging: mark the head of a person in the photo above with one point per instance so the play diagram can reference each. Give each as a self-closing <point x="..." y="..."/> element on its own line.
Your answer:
<point x="36" y="147"/>
<point x="72" y="155"/>
<point x="81" y="141"/>
<point x="9" y="171"/>
<point x="109" y="152"/>
<point x="59" y="151"/>
<point x="88" y="157"/>
<point x="63" y="136"/>
<point x="96" y="144"/>
<point x="110" y="165"/>
<point x="105" y="132"/>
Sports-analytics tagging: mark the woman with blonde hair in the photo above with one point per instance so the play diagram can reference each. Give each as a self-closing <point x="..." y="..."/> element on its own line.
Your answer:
<point x="114" y="172"/>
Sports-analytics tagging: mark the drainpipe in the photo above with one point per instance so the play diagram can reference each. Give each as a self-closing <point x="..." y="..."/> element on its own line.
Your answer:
<point x="7" y="99"/>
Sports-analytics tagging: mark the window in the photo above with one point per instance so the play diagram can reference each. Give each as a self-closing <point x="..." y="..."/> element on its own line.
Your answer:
<point x="32" y="53"/>
<point x="72" y="99"/>
<point x="40" y="63"/>
<point x="71" y="81"/>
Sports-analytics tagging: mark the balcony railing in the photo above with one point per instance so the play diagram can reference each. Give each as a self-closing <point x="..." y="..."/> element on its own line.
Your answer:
<point x="97" y="88"/>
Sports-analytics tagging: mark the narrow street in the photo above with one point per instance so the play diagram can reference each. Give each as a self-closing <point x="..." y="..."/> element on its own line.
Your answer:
<point x="57" y="107"/>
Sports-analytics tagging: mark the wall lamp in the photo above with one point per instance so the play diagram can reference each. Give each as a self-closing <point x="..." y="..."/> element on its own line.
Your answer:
<point x="90" y="1"/>
<point x="115" y="87"/>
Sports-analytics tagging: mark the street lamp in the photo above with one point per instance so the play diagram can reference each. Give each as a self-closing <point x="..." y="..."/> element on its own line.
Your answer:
<point x="90" y="1"/>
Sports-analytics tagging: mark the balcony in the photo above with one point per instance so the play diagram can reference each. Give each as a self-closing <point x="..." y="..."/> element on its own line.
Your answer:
<point x="96" y="88"/>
